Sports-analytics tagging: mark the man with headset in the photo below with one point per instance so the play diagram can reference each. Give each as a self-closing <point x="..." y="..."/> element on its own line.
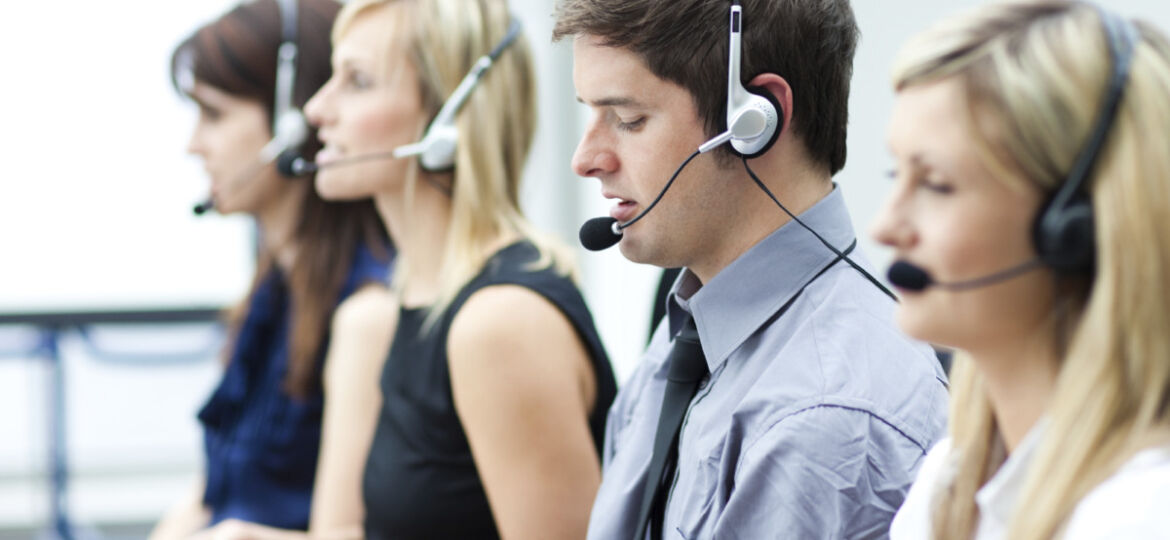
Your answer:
<point x="777" y="399"/>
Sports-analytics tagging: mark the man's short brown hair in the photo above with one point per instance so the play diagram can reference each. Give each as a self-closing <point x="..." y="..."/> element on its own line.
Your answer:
<point x="808" y="42"/>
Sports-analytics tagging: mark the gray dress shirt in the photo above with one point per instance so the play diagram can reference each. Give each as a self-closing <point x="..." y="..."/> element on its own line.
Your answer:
<point x="812" y="424"/>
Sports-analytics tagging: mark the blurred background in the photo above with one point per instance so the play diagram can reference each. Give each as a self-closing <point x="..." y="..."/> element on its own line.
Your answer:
<point x="97" y="407"/>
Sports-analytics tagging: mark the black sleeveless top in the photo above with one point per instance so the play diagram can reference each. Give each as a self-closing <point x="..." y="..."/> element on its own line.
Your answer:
<point x="420" y="480"/>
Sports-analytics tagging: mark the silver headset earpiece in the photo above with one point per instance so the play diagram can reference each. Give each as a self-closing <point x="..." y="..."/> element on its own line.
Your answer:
<point x="436" y="150"/>
<point x="289" y="129"/>
<point x="753" y="119"/>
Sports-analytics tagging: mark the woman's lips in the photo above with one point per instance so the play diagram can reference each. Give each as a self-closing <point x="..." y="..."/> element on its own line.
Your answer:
<point x="326" y="155"/>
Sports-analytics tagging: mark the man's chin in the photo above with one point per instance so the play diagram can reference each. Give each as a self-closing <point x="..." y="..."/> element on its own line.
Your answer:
<point x="637" y="251"/>
<point x="629" y="249"/>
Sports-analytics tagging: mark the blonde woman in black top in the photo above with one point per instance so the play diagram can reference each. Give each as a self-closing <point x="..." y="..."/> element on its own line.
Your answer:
<point x="496" y="387"/>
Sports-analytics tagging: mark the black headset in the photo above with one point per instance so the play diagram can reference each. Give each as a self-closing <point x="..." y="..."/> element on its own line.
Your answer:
<point x="1063" y="233"/>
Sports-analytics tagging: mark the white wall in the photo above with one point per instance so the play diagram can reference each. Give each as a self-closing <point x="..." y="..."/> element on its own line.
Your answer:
<point x="97" y="210"/>
<point x="619" y="292"/>
<point x="96" y="214"/>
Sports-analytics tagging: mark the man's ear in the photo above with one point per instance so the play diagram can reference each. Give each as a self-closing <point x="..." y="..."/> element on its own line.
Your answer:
<point x="781" y="92"/>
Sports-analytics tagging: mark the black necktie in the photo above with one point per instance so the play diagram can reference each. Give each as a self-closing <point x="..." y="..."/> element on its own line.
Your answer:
<point x="688" y="366"/>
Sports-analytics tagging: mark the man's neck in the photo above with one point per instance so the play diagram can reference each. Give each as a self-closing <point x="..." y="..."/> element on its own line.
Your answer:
<point x="797" y="189"/>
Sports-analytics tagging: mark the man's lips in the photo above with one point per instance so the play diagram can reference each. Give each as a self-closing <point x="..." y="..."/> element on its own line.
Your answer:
<point x="624" y="210"/>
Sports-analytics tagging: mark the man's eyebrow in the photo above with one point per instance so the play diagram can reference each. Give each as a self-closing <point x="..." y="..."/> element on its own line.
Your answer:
<point x="617" y="101"/>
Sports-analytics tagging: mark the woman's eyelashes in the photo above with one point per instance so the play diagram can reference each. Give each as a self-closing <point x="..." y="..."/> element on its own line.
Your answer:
<point x="357" y="80"/>
<point x="933" y="181"/>
<point x="208" y="112"/>
<point x="351" y="77"/>
<point x="935" y="185"/>
<point x="925" y="180"/>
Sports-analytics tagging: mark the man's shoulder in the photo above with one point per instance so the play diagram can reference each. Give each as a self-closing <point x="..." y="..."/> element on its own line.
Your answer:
<point x="851" y="321"/>
<point x="846" y="351"/>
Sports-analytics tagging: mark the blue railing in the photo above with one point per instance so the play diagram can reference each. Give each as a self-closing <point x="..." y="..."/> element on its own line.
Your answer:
<point x="50" y="327"/>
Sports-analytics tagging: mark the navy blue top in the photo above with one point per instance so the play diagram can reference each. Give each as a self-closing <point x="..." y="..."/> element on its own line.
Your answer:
<point x="261" y="444"/>
<point x="420" y="479"/>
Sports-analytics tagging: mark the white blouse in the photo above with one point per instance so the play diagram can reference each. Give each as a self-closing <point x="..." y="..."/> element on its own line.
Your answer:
<point x="1133" y="503"/>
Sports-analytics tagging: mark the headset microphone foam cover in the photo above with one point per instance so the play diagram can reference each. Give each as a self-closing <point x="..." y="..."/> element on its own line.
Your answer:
<point x="597" y="234"/>
<point x="907" y="276"/>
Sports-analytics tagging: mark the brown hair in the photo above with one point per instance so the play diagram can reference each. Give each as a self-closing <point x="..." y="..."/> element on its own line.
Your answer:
<point x="808" y="42"/>
<point x="237" y="54"/>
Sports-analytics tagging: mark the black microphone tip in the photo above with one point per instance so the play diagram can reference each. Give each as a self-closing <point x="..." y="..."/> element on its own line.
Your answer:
<point x="907" y="276"/>
<point x="203" y="207"/>
<point x="598" y="234"/>
<point x="303" y="167"/>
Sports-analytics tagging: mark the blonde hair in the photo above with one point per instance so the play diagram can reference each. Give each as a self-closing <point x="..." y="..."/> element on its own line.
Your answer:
<point x="496" y="127"/>
<point x="1033" y="74"/>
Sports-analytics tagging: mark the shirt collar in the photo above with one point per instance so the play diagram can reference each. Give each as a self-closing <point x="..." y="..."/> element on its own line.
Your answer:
<point x="749" y="291"/>
<point x="997" y="498"/>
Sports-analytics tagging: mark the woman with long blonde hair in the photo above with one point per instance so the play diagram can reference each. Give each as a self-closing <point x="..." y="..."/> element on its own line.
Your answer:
<point x="1027" y="217"/>
<point x="496" y="387"/>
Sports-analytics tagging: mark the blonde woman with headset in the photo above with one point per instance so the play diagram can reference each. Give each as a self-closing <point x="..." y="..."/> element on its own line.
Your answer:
<point x="496" y="387"/>
<point x="1027" y="217"/>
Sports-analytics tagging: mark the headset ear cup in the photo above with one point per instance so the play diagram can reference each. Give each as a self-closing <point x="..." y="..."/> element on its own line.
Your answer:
<point x="778" y="113"/>
<point x="441" y="145"/>
<point x="1064" y="238"/>
<point x="285" y="162"/>
<point x="766" y="94"/>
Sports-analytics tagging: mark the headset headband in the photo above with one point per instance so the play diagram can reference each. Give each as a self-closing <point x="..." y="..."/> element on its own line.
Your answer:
<point x="436" y="149"/>
<point x="286" y="61"/>
<point x="1064" y="230"/>
<point x="1122" y="39"/>
<point x="459" y="96"/>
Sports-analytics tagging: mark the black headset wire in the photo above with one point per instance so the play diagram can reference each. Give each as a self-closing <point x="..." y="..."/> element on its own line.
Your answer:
<point x="836" y="251"/>
<point x="665" y="188"/>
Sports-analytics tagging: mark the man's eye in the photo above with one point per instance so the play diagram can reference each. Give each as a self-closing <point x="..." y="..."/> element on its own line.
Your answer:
<point x="632" y="125"/>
